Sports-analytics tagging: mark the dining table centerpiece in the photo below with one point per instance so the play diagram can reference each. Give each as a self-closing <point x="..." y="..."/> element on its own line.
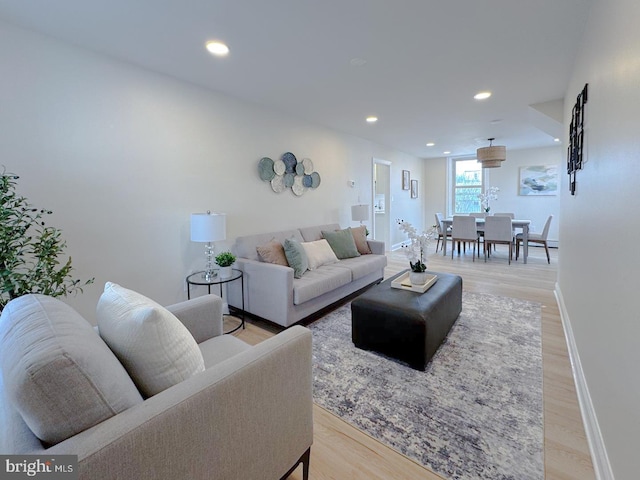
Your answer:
<point x="486" y="197"/>
<point x="416" y="251"/>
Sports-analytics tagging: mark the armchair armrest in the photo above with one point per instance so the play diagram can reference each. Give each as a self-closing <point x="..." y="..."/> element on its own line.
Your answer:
<point x="258" y="401"/>
<point x="202" y="316"/>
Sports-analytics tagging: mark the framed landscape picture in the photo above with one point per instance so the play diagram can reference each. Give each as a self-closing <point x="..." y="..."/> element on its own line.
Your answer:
<point x="538" y="180"/>
<point x="405" y="179"/>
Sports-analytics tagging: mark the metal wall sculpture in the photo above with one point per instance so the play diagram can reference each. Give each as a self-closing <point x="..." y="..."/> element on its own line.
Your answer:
<point x="576" y="139"/>
<point x="288" y="172"/>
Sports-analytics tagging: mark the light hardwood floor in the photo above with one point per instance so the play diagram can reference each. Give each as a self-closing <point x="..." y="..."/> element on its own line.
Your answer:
<point x="340" y="451"/>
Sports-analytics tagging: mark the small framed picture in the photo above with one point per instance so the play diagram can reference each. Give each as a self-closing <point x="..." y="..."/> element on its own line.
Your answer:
<point x="405" y="179"/>
<point x="414" y="188"/>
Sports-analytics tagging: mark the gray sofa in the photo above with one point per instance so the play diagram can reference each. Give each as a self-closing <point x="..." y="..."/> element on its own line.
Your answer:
<point x="271" y="292"/>
<point x="247" y="415"/>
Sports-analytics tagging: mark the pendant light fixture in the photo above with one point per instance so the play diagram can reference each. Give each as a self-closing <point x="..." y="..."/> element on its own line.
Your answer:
<point x="491" y="156"/>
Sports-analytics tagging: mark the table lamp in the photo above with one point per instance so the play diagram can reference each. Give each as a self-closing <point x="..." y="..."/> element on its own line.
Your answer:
<point x="359" y="213"/>
<point x="208" y="227"/>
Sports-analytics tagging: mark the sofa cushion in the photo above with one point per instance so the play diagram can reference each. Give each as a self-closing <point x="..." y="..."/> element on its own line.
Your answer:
<point x="245" y="246"/>
<point x="360" y="238"/>
<point x="296" y="256"/>
<point x="320" y="281"/>
<point x="57" y="371"/>
<point x="153" y="345"/>
<point x="342" y="243"/>
<point x="319" y="253"/>
<point x="272" y="252"/>
<point x="364" y="265"/>
<point x="220" y="348"/>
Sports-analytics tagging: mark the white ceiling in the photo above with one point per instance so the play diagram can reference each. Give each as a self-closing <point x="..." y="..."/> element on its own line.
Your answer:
<point x="425" y="59"/>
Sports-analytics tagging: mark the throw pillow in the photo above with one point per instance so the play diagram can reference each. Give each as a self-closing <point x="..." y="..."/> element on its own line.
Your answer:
<point x="360" y="238"/>
<point x="296" y="257"/>
<point x="153" y="345"/>
<point x="319" y="253"/>
<point x="342" y="243"/>
<point x="272" y="252"/>
<point x="58" y="373"/>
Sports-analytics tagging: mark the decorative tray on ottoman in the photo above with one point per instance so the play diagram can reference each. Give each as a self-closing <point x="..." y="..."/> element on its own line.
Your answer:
<point x="404" y="283"/>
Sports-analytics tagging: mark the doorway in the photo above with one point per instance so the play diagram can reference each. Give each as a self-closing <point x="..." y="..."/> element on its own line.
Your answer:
<point x="381" y="201"/>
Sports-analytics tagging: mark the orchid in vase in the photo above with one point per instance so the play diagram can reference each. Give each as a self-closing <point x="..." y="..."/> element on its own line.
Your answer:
<point x="417" y="250"/>
<point x="486" y="197"/>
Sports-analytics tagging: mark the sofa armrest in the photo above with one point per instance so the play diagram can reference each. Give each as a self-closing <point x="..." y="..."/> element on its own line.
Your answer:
<point x="202" y="316"/>
<point x="258" y="401"/>
<point x="268" y="290"/>
<point x="376" y="247"/>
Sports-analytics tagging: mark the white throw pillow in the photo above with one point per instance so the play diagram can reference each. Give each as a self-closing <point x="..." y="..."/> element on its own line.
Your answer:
<point x="153" y="345"/>
<point x="319" y="253"/>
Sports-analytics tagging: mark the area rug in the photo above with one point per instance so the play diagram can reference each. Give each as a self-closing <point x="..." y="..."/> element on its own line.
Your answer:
<point x="474" y="413"/>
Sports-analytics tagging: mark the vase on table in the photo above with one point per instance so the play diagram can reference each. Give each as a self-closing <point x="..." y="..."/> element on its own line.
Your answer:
<point x="226" y="272"/>
<point x="418" y="278"/>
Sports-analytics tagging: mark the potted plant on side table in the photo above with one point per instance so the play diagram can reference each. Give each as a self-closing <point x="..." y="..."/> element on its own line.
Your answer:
<point x="225" y="260"/>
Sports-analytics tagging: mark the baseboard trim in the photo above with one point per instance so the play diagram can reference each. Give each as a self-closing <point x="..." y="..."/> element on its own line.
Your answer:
<point x="599" y="457"/>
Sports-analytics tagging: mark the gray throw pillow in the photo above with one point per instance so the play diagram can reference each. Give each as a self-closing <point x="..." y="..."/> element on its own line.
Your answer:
<point x="296" y="257"/>
<point x="58" y="372"/>
<point x="342" y="243"/>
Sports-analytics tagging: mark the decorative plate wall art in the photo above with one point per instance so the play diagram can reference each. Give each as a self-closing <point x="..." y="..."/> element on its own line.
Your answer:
<point x="289" y="173"/>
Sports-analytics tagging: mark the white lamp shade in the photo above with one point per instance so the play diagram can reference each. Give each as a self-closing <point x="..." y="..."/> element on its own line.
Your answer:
<point x="208" y="227"/>
<point x="360" y="213"/>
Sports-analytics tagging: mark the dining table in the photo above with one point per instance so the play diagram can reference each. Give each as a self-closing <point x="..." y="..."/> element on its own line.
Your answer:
<point x="515" y="223"/>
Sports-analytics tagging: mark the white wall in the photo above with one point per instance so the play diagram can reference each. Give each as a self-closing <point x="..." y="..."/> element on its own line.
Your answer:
<point x="599" y="261"/>
<point x="535" y="208"/>
<point x="506" y="178"/>
<point x="123" y="156"/>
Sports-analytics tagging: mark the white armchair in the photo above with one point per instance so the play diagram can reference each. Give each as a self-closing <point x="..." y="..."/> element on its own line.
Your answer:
<point x="247" y="415"/>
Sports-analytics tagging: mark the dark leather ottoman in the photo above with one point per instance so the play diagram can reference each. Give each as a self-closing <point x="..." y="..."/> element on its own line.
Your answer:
<point x="406" y="325"/>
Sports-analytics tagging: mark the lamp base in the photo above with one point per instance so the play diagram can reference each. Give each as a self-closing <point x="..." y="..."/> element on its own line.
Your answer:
<point x="209" y="275"/>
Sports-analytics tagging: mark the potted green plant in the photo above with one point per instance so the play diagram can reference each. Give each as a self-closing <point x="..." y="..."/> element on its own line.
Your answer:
<point x="224" y="260"/>
<point x="30" y="250"/>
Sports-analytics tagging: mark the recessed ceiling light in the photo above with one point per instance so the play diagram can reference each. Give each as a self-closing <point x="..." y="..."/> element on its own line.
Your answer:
<point x="446" y="152"/>
<point x="482" y="95"/>
<point x="357" y="62"/>
<point x="372" y="119"/>
<point x="556" y="139"/>
<point x="430" y="144"/>
<point x="217" y="48"/>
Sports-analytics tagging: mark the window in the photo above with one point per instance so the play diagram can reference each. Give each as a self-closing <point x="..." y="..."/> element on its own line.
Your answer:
<point x="467" y="185"/>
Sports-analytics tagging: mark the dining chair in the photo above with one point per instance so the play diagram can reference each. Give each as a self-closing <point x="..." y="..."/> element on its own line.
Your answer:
<point x="442" y="235"/>
<point x="510" y="215"/>
<point x="506" y="214"/>
<point x="463" y="229"/>
<point x="536" y="238"/>
<point x="498" y="230"/>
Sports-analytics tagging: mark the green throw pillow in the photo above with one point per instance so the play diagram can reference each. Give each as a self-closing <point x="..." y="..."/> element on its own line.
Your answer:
<point x="296" y="257"/>
<point x="342" y="243"/>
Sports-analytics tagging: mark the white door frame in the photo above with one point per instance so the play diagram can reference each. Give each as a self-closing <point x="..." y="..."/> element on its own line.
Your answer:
<point x="374" y="162"/>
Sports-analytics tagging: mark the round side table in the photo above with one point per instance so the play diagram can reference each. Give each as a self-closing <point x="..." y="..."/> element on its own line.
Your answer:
<point x="197" y="278"/>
